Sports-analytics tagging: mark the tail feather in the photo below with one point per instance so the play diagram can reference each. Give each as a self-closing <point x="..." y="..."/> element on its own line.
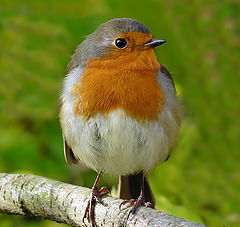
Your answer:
<point x="130" y="187"/>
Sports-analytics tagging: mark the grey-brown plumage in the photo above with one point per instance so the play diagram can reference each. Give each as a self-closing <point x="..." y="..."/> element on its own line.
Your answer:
<point x="69" y="156"/>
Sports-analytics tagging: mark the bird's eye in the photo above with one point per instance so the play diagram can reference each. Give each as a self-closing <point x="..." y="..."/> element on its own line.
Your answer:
<point x="120" y="43"/>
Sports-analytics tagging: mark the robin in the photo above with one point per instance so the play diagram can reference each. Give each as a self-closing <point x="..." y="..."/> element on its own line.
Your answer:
<point x="120" y="113"/>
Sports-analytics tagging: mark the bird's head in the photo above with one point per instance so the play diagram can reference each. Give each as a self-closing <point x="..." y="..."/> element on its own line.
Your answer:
<point x="120" y="40"/>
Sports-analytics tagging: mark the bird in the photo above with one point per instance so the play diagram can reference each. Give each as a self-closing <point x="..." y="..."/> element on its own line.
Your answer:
<point x="119" y="113"/>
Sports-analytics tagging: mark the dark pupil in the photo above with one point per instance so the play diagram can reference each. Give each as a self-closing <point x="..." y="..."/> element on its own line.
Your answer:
<point x="120" y="43"/>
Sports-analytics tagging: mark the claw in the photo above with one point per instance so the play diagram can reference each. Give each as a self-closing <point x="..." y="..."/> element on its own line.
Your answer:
<point x="86" y="214"/>
<point x="104" y="191"/>
<point x="131" y="201"/>
<point x="148" y="204"/>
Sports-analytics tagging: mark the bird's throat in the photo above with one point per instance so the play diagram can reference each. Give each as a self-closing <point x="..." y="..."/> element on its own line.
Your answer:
<point x="125" y="82"/>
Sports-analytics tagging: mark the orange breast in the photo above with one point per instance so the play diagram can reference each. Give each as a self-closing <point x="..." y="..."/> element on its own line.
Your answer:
<point x="127" y="81"/>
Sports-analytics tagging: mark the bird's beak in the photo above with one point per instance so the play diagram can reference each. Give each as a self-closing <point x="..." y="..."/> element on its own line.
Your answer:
<point x="154" y="43"/>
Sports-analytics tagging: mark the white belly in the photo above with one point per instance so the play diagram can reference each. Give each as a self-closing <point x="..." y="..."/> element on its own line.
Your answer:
<point x="120" y="145"/>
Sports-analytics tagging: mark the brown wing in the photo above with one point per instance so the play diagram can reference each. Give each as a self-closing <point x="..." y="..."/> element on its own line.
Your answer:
<point x="68" y="153"/>
<point x="166" y="73"/>
<point x="169" y="88"/>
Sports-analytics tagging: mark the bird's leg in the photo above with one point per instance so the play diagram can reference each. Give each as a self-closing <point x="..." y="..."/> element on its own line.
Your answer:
<point x="94" y="196"/>
<point x="140" y="201"/>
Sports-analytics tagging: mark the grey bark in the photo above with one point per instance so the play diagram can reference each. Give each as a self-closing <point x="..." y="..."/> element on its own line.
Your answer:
<point x="40" y="197"/>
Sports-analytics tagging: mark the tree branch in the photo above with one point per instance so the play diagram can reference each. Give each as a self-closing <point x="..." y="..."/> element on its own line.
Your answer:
<point x="40" y="197"/>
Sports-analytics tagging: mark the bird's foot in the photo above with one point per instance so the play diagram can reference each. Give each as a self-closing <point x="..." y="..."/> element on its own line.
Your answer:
<point x="139" y="202"/>
<point x="94" y="197"/>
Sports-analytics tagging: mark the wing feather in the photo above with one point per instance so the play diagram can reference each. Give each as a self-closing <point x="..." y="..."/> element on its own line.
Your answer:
<point x="68" y="153"/>
<point x="167" y="75"/>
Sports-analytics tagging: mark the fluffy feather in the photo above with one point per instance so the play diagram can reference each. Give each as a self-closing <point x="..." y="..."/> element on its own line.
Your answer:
<point x="119" y="144"/>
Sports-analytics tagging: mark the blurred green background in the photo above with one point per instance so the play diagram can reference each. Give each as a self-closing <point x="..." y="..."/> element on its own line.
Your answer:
<point x="201" y="180"/>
